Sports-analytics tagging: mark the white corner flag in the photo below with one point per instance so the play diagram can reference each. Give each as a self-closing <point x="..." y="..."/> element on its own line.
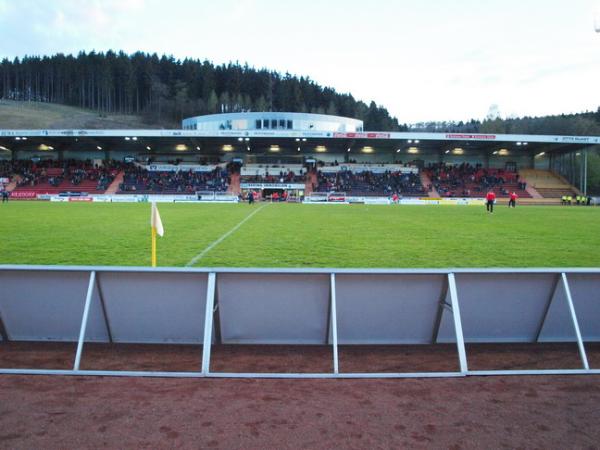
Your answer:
<point x="157" y="228"/>
<point x="155" y="221"/>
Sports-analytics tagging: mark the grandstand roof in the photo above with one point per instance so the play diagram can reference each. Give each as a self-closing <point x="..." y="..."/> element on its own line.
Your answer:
<point x="261" y="141"/>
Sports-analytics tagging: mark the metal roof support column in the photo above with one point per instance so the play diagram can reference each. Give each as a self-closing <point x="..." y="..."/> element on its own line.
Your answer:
<point x="336" y="369"/>
<point x="84" y="319"/>
<point x="582" y="353"/>
<point x="460" y="342"/>
<point x="208" y="323"/>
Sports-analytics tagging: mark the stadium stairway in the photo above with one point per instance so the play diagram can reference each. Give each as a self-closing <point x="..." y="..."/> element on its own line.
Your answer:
<point x="234" y="184"/>
<point x="426" y="181"/>
<point x="113" y="187"/>
<point x="11" y="186"/>
<point x="532" y="191"/>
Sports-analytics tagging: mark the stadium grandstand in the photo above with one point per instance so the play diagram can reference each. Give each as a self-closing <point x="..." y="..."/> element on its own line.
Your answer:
<point x="303" y="155"/>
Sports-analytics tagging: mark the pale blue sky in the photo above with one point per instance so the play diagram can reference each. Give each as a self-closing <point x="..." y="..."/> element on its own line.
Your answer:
<point x="430" y="60"/>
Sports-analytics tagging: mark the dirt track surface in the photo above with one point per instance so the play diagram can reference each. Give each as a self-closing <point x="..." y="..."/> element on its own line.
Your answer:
<point x="494" y="412"/>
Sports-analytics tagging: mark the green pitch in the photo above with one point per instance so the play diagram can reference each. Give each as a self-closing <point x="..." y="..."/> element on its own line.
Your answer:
<point x="282" y="235"/>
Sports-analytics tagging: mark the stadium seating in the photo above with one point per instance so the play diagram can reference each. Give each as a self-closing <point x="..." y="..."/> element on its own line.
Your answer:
<point x="365" y="184"/>
<point x="139" y="180"/>
<point x="54" y="177"/>
<point x="465" y="180"/>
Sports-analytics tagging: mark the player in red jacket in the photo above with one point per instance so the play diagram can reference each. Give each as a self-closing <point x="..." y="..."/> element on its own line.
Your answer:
<point x="490" y="199"/>
<point x="513" y="199"/>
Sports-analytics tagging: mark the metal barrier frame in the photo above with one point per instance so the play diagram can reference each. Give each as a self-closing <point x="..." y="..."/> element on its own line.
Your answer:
<point x="205" y="372"/>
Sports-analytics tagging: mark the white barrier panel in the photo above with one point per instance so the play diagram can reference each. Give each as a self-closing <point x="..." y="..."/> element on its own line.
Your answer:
<point x="323" y="198"/>
<point x="124" y="199"/>
<point x="162" y="308"/>
<point x="508" y="308"/>
<point x="586" y="298"/>
<point x="376" y="201"/>
<point x="41" y="306"/>
<point x="323" y="307"/>
<point x="417" y="201"/>
<point x="401" y="309"/>
<point x="218" y="197"/>
<point x="462" y="201"/>
<point x="273" y="308"/>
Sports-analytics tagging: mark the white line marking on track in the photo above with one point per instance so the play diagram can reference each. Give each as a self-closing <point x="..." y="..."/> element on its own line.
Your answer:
<point x="200" y="255"/>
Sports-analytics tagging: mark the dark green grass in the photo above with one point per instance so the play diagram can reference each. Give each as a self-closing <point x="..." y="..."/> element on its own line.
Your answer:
<point x="302" y="235"/>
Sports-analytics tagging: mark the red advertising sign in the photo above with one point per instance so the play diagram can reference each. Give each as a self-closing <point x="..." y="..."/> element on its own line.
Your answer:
<point x="471" y="136"/>
<point x="362" y="135"/>
<point x="23" y="194"/>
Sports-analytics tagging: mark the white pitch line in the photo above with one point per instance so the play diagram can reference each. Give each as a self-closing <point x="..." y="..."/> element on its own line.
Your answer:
<point x="200" y="255"/>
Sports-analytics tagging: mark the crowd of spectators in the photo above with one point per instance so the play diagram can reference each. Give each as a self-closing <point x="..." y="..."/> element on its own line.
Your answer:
<point x="6" y="169"/>
<point x="141" y="181"/>
<point x="55" y="173"/>
<point x="466" y="180"/>
<point x="370" y="184"/>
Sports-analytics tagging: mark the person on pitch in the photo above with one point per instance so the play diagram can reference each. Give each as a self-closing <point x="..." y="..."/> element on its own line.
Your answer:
<point x="5" y="193"/>
<point x="490" y="200"/>
<point x="513" y="199"/>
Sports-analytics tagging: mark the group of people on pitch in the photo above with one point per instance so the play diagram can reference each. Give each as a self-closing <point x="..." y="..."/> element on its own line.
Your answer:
<point x="490" y="199"/>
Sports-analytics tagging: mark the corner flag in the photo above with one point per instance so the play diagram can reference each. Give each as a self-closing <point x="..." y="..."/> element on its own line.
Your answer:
<point x="157" y="228"/>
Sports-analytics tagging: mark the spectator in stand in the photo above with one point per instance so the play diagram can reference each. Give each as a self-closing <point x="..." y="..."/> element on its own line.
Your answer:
<point x="490" y="199"/>
<point x="513" y="199"/>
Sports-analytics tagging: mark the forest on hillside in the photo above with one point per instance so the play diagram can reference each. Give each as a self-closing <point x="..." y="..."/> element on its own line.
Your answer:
<point x="580" y="124"/>
<point x="164" y="89"/>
